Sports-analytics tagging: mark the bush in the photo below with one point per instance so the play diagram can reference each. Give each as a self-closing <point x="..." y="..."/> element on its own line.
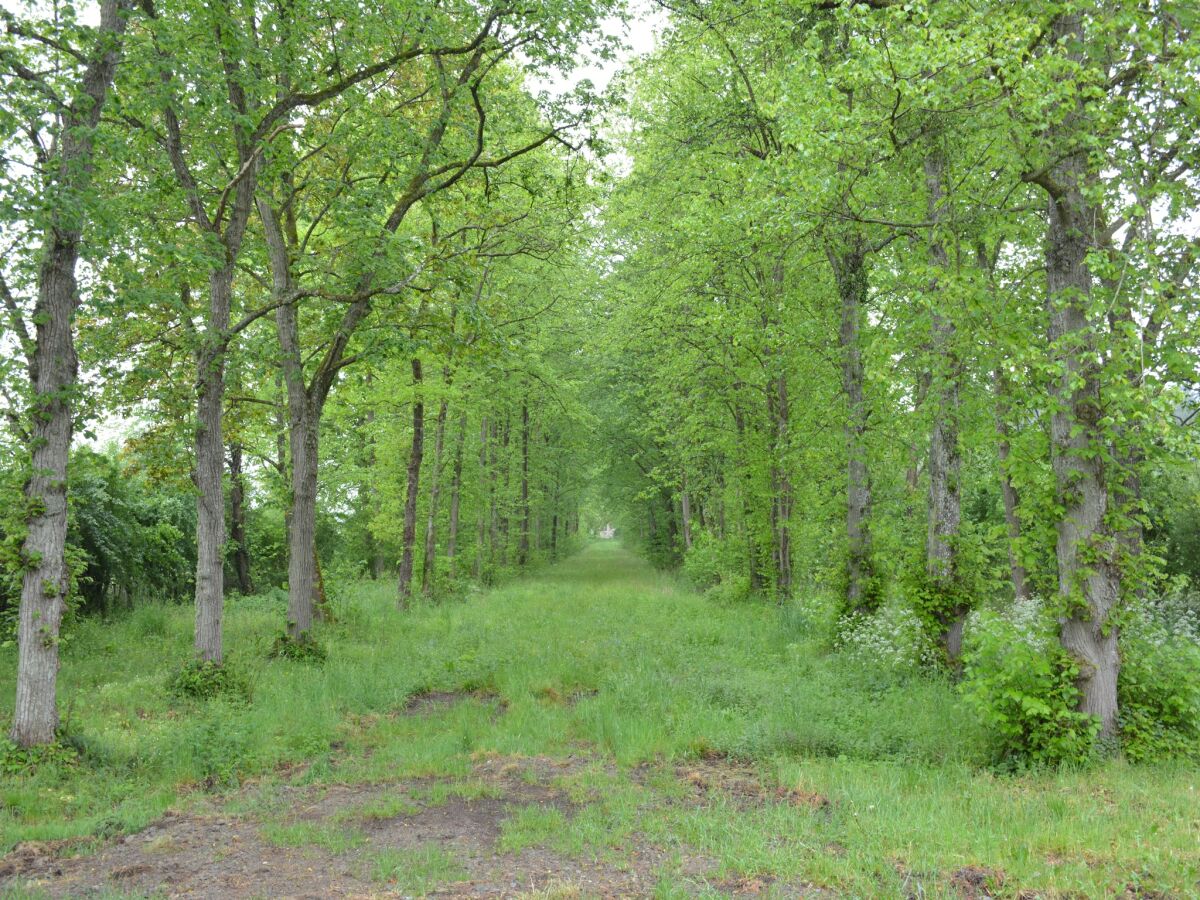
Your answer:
<point x="733" y="589"/>
<point x="711" y="561"/>
<point x="220" y="747"/>
<point x="16" y="760"/>
<point x="207" y="680"/>
<point x="302" y="649"/>
<point x="1022" y="685"/>
<point x="1159" y="685"/>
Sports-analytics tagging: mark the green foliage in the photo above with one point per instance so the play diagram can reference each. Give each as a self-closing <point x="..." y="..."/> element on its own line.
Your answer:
<point x="135" y="537"/>
<point x="305" y="649"/>
<point x="24" y="761"/>
<point x="1159" y="686"/>
<point x="710" y="561"/>
<point x="219" y="745"/>
<point x="203" y="679"/>
<point x="1022" y="686"/>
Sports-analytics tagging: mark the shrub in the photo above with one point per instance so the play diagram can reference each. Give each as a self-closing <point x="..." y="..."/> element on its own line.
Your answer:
<point x="1159" y="685"/>
<point x="711" y="561"/>
<point x="208" y="680"/>
<point x="733" y="589"/>
<point x="16" y="760"/>
<point x="302" y="649"/>
<point x="1022" y="685"/>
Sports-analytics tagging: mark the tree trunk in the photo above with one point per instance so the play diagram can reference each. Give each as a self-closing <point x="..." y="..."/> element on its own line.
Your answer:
<point x="456" y="496"/>
<point x="1089" y="579"/>
<point x="523" y="543"/>
<point x="210" y="467"/>
<point x="429" y="563"/>
<point x="46" y="582"/>
<point x="237" y="520"/>
<point x="849" y="266"/>
<point x="413" y="485"/>
<point x="945" y="505"/>
<point x="685" y="513"/>
<point x="487" y="511"/>
<point x="1008" y="491"/>
<point x="303" y="419"/>
<point x="304" y="440"/>
<point x="783" y="503"/>
<point x="53" y="369"/>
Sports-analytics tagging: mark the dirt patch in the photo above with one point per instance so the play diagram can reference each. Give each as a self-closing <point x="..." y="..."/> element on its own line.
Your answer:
<point x="764" y="885"/>
<point x="976" y="882"/>
<point x="562" y="697"/>
<point x="223" y="856"/>
<point x="429" y="702"/>
<point x="716" y="779"/>
<point x="194" y="856"/>
<point x="712" y="780"/>
<point x="34" y="854"/>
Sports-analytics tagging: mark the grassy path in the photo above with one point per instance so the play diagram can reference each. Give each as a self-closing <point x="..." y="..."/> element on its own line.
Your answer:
<point x="596" y="729"/>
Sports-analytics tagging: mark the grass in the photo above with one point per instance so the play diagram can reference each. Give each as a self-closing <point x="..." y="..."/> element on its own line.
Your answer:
<point x="603" y="656"/>
<point x="334" y="838"/>
<point x="417" y="870"/>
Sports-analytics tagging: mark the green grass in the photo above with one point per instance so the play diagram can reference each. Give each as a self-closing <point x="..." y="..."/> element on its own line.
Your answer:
<point x="603" y="656"/>
<point x="418" y="870"/>
<point x="338" y="838"/>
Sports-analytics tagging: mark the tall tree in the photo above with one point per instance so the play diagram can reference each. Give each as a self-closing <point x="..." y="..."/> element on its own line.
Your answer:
<point x="57" y="86"/>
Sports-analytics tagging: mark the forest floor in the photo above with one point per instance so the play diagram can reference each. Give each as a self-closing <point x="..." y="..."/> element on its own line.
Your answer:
<point x="594" y="730"/>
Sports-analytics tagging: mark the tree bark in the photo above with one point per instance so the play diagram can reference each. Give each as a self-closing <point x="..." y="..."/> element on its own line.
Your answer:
<point x="53" y="369"/>
<point x="210" y="467"/>
<point x="945" y="460"/>
<point x="429" y="563"/>
<point x="685" y="512"/>
<point x="413" y="486"/>
<point x="523" y="542"/>
<point x="1088" y="576"/>
<point x="237" y="520"/>
<point x="849" y="267"/>
<point x="1012" y="518"/>
<point x="455" y="497"/>
<point x="303" y="415"/>
<point x="487" y="511"/>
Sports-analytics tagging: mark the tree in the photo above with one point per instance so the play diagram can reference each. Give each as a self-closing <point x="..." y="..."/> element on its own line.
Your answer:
<point x="57" y="85"/>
